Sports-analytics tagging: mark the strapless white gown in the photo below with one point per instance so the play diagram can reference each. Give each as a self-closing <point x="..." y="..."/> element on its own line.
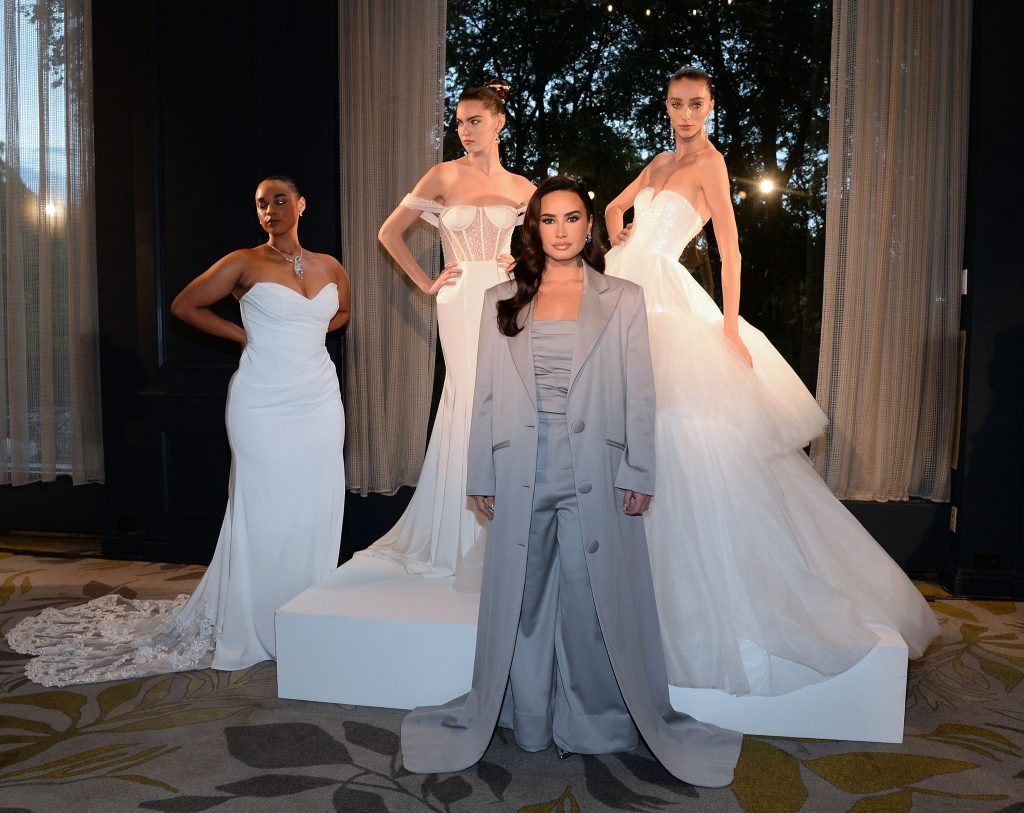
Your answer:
<point x="440" y="532"/>
<point x="281" y="531"/>
<point x="755" y="561"/>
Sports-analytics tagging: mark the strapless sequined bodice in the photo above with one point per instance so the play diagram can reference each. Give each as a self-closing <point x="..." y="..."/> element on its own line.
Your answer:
<point x="469" y="233"/>
<point x="664" y="222"/>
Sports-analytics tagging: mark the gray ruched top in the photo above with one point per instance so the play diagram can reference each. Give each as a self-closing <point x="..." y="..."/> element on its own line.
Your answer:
<point x="553" y="341"/>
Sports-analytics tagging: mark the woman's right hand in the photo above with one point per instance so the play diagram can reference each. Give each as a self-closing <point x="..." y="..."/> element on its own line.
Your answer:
<point x="485" y="505"/>
<point x="449" y="276"/>
<point x="623" y="236"/>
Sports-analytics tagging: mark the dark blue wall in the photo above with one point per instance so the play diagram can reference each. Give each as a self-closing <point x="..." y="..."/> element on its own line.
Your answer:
<point x="988" y="491"/>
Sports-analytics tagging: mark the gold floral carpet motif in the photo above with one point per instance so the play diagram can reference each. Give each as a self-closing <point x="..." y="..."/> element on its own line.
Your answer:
<point x="206" y="740"/>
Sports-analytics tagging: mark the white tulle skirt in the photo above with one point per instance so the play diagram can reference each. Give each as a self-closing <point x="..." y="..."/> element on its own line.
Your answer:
<point x="755" y="561"/>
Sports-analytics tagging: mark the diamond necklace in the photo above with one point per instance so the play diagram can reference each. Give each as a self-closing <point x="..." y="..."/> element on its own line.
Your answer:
<point x="296" y="261"/>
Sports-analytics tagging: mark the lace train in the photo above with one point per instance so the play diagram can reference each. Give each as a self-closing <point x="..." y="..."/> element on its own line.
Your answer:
<point x="113" y="638"/>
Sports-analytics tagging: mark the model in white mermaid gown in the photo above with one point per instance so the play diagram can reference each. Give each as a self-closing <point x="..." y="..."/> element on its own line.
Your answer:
<point x="440" y="528"/>
<point x="755" y="561"/>
<point x="281" y="531"/>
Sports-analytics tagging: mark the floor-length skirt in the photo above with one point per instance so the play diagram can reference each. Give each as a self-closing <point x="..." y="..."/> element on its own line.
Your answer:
<point x="281" y="533"/>
<point x="440" y="532"/>
<point x="764" y="581"/>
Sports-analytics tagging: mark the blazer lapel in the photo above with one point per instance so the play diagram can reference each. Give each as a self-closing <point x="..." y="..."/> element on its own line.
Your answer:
<point x="596" y="307"/>
<point x="521" y="347"/>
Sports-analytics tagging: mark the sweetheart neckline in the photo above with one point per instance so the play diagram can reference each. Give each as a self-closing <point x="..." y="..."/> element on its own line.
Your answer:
<point x="287" y="288"/>
<point x="679" y="195"/>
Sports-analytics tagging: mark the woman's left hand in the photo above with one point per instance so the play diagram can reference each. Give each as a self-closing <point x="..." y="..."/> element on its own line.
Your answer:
<point x="634" y="503"/>
<point x="736" y="343"/>
<point x="506" y="262"/>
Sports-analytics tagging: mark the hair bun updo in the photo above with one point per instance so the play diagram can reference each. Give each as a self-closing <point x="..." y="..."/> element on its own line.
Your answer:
<point x="491" y="94"/>
<point x="694" y="73"/>
<point x="499" y="87"/>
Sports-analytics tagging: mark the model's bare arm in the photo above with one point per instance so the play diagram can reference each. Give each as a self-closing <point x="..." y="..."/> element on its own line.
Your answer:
<point x="615" y="211"/>
<point x="714" y="179"/>
<point x="340" y="319"/>
<point x="221" y="280"/>
<point x="431" y="186"/>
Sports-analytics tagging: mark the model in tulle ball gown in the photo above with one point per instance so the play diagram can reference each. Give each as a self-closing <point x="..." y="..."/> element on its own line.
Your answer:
<point x="286" y="496"/>
<point x="765" y="582"/>
<point x="475" y="203"/>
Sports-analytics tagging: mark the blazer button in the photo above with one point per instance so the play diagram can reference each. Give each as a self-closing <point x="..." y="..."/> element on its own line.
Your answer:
<point x="578" y="426"/>
<point x="593" y="546"/>
<point x="585" y="488"/>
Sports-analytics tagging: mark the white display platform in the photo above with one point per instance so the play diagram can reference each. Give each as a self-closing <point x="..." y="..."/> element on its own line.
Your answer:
<point x="866" y="703"/>
<point x="373" y="635"/>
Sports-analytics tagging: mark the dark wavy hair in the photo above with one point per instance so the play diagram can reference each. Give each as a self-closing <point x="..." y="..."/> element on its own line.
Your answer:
<point x="529" y="267"/>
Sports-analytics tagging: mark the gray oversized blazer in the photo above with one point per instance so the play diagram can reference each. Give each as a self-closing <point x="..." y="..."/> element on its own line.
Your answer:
<point x="610" y="414"/>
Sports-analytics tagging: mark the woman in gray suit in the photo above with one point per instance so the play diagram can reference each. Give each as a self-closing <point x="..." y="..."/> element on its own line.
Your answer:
<point x="561" y="461"/>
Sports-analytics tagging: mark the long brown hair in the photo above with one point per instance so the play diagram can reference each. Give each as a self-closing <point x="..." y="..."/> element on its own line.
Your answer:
<point x="529" y="267"/>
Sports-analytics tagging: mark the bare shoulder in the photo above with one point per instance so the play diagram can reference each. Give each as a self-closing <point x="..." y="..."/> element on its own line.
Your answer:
<point x="524" y="187"/>
<point x="330" y="264"/>
<point x="656" y="163"/>
<point x="711" y="161"/>
<point x="437" y="181"/>
<point x="446" y="170"/>
<point x="240" y="258"/>
<point x="244" y="254"/>
<point x="450" y="172"/>
<point x="328" y="260"/>
<point x="661" y="159"/>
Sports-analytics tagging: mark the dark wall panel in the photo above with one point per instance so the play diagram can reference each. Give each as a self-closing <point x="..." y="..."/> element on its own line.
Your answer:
<point x="205" y="122"/>
<point x="194" y="104"/>
<point x="988" y="489"/>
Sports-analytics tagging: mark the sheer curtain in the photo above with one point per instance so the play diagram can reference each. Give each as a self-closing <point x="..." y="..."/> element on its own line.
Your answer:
<point x="392" y="102"/>
<point x="49" y="360"/>
<point x="893" y="246"/>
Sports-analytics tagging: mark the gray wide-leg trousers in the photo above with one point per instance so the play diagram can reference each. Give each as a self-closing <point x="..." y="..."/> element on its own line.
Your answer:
<point x="561" y="684"/>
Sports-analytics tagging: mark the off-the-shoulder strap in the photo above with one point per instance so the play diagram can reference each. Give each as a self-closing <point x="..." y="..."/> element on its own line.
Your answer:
<point x="428" y="209"/>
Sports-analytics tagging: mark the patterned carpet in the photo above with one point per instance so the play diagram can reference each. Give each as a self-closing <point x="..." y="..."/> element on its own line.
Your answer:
<point x="223" y="741"/>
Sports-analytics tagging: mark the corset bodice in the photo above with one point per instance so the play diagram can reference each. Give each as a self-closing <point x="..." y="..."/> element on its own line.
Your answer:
<point x="469" y="233"/>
